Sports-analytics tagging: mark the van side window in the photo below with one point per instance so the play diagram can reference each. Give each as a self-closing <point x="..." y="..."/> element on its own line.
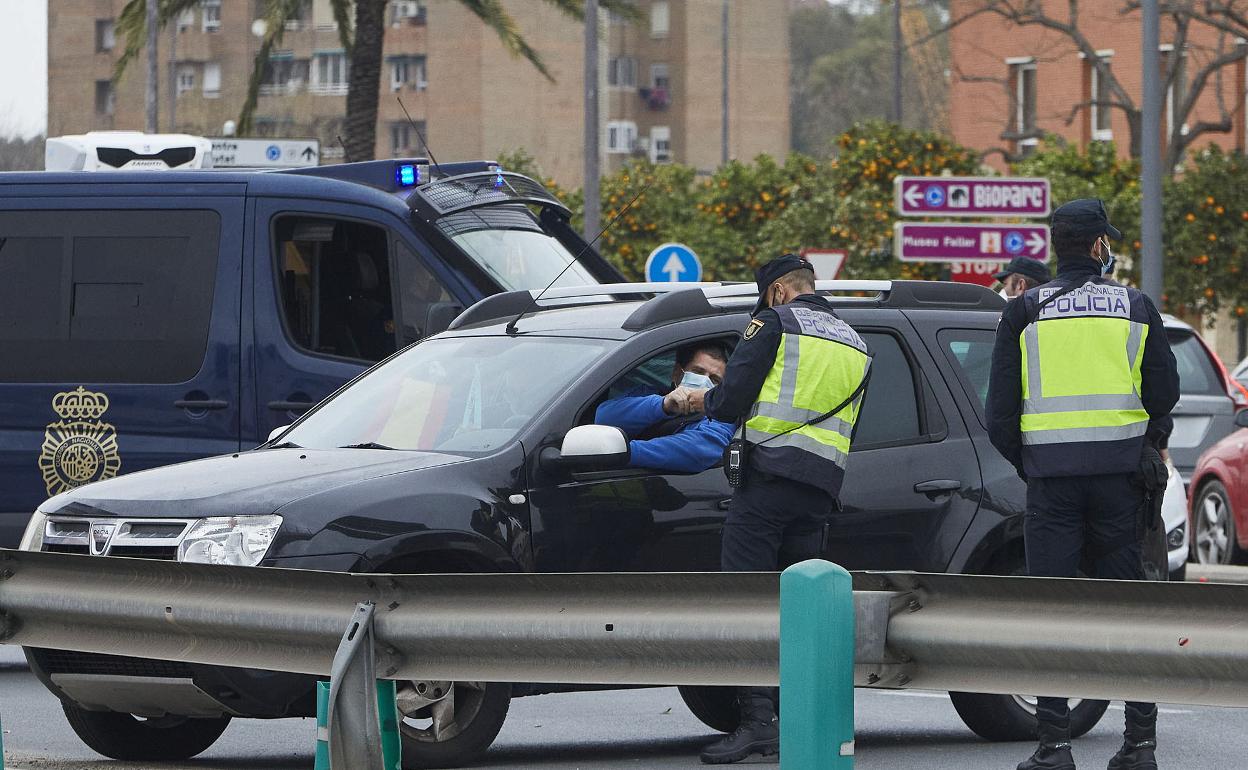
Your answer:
<point x="425" y="306"/>
<point x="106" y="296"/>
<point x="335" y="286"/>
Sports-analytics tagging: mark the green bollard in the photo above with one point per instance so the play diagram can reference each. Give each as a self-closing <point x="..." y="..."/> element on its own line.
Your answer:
<point x="387" y="709"/>
<point x="816" y="667"/>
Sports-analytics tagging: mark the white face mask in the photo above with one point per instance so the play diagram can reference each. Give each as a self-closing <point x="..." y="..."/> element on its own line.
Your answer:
<point x="696" y="381"/>
<point x="1004" y="296"/>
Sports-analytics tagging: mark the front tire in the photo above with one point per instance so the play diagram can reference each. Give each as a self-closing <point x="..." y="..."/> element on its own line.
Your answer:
<point x="715" y="707"/>
<point x="1013" y="717"/>
<point x="1213" y="524"/>
<point x="449" y="724"/>
<point x="126" y="737"/>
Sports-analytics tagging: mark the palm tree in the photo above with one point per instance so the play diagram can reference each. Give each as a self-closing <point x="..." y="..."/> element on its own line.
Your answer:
<point x="363" y="40"/>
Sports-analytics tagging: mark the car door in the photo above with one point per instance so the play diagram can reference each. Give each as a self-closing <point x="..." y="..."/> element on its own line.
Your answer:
<point x="119" y="329"/>
<point x="912" y="484"/>
<point x="631" y="519"/>
<point x="335" y="289"/>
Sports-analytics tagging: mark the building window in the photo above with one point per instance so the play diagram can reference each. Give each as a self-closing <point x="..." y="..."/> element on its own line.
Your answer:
<point x="212" y="79"/>
<point x="186" y="78"/>
<point x="300" y="17"/>
<point x="283" y="74"/>
<point x="1099" y="111"/>
<point x="1176" y="92"/>
<point x="661" y="144"/>
<point x="658" y="96"/>
<point x="105" y="97"/>
<point x="105" y="35"/>
<point x="621" y="136"/>
<point x="186" y="20"/>
<point x="409" y="12"/>
<point x="659" y="77"/>
<point x="660" y="18"/>
<point x="210" y="11"/>
<point x="404" y="139"/>
<point x="408" y="71"/>
<point x="330" y="73"/>
<point x="1023" y="83"/>
<point x="622" y="72"/>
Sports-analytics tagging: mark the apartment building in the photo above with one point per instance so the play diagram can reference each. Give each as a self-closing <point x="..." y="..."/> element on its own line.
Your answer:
<point x="661" y="79"/>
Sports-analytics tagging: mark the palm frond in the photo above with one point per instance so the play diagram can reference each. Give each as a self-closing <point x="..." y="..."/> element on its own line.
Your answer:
<point x="132" y="25"/>
<point x="492" y="13"/>
<point x="276" y="13"/>
<point x="342" y="15"/>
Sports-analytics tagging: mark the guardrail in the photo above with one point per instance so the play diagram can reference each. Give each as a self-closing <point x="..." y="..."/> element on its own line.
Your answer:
<point x="1177" y="643"/>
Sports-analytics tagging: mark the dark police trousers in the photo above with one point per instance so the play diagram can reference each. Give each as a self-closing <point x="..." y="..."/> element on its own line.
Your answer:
<point x="1065" y="515"/>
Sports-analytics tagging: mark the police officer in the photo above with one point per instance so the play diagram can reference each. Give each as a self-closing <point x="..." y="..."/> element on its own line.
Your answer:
<point x="1082" y="385"/>
<point x="1021" y="274"/>
<point x="797" y="363"/>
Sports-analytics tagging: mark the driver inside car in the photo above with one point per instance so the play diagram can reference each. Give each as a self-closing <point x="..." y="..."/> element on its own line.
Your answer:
<point x="664" y="432"/>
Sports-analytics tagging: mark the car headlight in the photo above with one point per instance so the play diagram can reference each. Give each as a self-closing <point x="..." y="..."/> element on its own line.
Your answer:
<point x="237" y="540"/>
<point x="32" y="539"/>
<point x="1177" y="537"/>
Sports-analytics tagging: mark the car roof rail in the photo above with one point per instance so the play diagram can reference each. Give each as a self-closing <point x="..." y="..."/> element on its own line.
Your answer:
<point x="512" y="303"/>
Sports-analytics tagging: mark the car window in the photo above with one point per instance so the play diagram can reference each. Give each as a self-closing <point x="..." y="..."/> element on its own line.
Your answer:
<point x="106" y="296"/>
<point x="890" y="409"/>
<point x="970" y="351"/>
<point x="458" y="394"/>
<point x="1197" y="376"/>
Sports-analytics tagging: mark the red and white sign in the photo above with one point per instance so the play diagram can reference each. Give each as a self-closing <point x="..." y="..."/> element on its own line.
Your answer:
<point x="975" y="272"/>
<point x="827" y="262"/>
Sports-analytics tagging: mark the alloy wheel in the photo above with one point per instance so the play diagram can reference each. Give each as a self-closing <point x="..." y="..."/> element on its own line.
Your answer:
<point x="1212" y="531"/>
<point x="435" y="711"/>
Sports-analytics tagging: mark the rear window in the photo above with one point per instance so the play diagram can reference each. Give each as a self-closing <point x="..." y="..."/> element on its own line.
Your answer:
<point x="970" y="351"/>
<point x="105" y="296"/>
<point x="1197" y="375"/>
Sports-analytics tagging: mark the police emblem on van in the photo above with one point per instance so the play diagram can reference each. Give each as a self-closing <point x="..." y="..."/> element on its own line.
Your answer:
<point x="79" y="448"/>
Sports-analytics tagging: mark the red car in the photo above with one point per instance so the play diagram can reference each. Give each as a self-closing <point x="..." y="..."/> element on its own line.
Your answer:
<point x="1218" y="512"/>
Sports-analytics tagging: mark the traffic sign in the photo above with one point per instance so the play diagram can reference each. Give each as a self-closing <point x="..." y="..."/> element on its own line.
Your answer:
<point x="977" y="272"/>
<point x="231" y="152"/>
<point x="971" y="196"/>
<point x="673" y="262"/>
<point x="958" y="242"/>
<point x="827" y="262"/>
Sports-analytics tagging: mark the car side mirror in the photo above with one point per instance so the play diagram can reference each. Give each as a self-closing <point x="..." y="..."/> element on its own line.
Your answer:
<point x="589" y="447"/>
<point x="277" y="432"/>
<point x="1241" y="418"/>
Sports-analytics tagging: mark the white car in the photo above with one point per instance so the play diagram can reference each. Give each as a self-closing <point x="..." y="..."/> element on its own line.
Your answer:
<point x="1174" y="515"/>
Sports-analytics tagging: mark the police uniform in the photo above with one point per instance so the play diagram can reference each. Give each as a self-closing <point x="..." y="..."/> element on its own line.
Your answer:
<point x="795" y="363"/>
<point x="1083" y="380"/>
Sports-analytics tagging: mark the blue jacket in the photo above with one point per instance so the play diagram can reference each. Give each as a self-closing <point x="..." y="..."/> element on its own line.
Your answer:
<point x="693" y="448"/>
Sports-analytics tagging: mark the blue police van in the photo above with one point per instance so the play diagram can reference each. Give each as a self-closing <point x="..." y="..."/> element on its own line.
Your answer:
<point x="152" y="318"/>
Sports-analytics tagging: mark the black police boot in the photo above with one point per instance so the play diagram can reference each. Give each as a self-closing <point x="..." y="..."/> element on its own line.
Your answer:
<point x="758" y="733"/>
<point x="1139" y="742"/>
<point x="1053" y="753"/>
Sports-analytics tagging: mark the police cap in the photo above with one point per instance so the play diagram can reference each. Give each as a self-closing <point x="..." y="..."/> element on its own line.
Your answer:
<point x="1085" y="217"/>
<point x="1027" y="267"/>
<point x="772" y="271"/>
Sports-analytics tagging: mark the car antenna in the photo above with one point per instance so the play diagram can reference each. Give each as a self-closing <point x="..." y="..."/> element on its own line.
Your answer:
<point x="419" y="134"/>
<point x="511" y="326"/>
<point x="345" y="155"/>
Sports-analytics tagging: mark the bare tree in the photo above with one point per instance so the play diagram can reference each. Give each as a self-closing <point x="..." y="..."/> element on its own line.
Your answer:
<point x="1194" y="67"/>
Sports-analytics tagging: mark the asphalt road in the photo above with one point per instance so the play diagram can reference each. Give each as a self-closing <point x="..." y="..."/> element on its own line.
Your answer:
<point x="632" y="729"/>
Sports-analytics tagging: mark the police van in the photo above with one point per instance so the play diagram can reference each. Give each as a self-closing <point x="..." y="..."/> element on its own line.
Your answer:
<point x="147" y="319"/>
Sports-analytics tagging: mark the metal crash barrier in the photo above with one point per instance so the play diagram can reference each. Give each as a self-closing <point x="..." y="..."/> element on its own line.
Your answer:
<point x="1175" y="643"/>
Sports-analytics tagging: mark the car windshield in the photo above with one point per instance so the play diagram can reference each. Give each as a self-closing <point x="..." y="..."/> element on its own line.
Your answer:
<point x="523" y="259"/>
<point x="459" y="394"/>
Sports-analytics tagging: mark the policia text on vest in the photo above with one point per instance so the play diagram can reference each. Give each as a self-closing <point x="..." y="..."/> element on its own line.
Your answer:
<point x="792" y="386"/>
<point x="1082" y="384"/>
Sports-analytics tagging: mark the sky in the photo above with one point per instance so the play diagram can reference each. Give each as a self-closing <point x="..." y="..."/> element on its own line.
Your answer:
<point x="24" y="64"/>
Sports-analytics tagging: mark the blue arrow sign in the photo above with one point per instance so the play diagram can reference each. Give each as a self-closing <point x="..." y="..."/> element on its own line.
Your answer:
<point x="1014" y="242"/>
<point x="673" y="262"/>
<point x="273" y="152"/>
<point x="935" y="196"/>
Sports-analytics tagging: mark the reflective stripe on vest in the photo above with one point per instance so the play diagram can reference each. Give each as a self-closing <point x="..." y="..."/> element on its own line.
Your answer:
<point x="813" y="374"/>
<point x="1081" y="370"/>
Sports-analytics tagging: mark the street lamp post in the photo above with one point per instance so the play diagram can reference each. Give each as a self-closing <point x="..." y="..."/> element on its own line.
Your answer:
<point x="1150" y="169"/>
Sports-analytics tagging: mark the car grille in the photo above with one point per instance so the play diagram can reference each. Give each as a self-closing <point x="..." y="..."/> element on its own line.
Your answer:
<point x="69" y="662"/>
<point x="136" y="538"/>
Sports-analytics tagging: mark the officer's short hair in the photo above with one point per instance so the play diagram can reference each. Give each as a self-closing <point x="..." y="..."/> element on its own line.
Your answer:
<point x="713" y="348"/>
<point x="802" y="279"/>
<point x="1071" y="241"/>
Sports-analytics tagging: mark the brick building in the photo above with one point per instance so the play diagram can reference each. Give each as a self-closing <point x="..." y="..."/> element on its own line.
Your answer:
<point x="660" y="79"/>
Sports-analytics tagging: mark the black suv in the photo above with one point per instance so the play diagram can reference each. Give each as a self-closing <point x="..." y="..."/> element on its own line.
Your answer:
<point x="457" y="455"/>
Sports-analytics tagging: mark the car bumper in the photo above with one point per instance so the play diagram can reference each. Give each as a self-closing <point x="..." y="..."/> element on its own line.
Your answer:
<point x="1174" y="516"/>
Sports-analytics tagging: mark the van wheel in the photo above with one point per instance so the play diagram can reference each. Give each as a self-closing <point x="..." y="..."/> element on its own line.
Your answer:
<point x="1013" y="717"/>
<point x="716" y="707"/>
<point x="449" y="724"/>
<point x="127" y="737"/>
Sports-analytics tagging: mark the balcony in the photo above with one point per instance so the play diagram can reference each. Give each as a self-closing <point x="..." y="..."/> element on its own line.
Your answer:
<point x="657" y="98"/>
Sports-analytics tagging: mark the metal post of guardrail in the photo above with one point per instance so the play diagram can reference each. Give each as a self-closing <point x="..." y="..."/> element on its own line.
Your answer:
<point x="816" y="667"/>
<point x="1" y="746"/>
<point x="356" y="715"/>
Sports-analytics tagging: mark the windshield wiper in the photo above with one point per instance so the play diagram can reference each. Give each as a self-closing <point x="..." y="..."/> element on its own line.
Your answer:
<point x="366" y="445"/>
<point x="286" y="445"/>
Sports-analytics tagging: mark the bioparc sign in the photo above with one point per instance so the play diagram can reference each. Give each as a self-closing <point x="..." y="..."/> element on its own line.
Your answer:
<point x="969" y="196"/>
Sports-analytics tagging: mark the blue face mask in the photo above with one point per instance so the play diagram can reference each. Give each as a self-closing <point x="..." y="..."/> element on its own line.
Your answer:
<point x="1107" y="267"/>
<point x="696" y="381"/>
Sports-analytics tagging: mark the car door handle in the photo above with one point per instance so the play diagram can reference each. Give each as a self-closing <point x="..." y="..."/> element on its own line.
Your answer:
<point x="291" y="406"/>
<point x="937" y="487"/>
<point x="200" y="405"/>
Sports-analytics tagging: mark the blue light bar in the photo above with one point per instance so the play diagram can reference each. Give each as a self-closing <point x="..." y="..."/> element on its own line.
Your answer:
<point x="407" y="175"/>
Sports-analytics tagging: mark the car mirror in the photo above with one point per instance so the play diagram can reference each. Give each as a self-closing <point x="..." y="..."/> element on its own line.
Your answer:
<point x="597" y="447"/>
<point x="1241" y="418"/>
<point x="277" y="432"/>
